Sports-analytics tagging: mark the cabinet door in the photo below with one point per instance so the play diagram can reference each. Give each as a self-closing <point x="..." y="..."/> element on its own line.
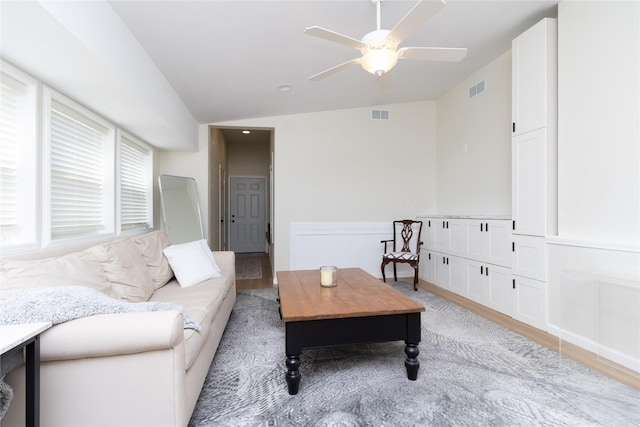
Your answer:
<point x="500" y="289"/>
<point x="428" y="233"/>
<point x="442" y="235"/>
<point x="458" y="280"/>
<point x="529" y="257"/>
<point x="498" y="236"/>
<point x="476" y="241"/>
<point x="529" y="53"/>
<point x="478" y="285"/>
<point x="529" y="302"/>
<point x="529" y="183"/>
<point x="458" y="237"/>
<point x="441" y="270"/>
<point x="426" y="272"/>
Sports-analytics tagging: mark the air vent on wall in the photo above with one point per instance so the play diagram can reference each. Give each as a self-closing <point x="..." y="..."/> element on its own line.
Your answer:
<point x="477" y="89"/>
<point x="379" y="114"/>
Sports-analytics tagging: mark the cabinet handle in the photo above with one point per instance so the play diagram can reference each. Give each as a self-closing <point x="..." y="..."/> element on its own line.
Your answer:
<point x="486" y="226"/>
<point x="514" y="225"/>
<point x="514" y="283"/>
<point x="481" y="230"/>
<point x="447" y="224"/>
<point x="429" y="256"/>
<point x="447" y="260"/>
<point x="481" y="270"/>
<point x="429" y="223"/>
<point x="443" y="260"/>
<point x="513" y="127"/>
<point x="486" y="271"/>
<point x="442" y="224"/>
<point x="513" y="246"/>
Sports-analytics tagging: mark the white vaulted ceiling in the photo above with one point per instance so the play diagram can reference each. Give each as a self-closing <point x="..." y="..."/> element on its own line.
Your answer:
<point x="223" y="60"/>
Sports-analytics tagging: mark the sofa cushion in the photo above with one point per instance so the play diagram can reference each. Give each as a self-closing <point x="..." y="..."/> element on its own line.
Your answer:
<point x="192" y="262"/>
<point x="151" y="246"/>
<point x="75" y="269"/>
<point x="125" y="268"/>
<point x="201" y="303"/>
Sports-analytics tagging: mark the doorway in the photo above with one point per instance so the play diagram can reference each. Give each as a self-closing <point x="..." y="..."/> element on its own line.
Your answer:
<point x="247" y="207"/>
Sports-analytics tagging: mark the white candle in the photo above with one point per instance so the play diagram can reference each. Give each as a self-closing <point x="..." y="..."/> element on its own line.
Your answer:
<point x="327" y="276"/>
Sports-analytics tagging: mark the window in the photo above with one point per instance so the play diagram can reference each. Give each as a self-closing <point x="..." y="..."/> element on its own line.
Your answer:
<point x="17" y="159"/>
<point x="136" y="183"/>
<point x="79" y="155"/>
<point x="79" y="179"/>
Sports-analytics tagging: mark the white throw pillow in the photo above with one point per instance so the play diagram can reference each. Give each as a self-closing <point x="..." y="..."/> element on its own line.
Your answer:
<point x="192" y="262"/>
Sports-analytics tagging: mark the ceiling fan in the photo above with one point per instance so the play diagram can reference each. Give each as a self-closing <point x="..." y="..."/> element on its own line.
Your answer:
<point x="379" y="48"/>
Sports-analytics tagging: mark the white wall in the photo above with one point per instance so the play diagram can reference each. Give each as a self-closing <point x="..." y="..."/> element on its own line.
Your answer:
<point x="249" y="159"/>
<point x="340" y="166"/>
<point x="598" y="126"/>
<point x="194" y="165"/>
<point x="594" y="262"/>
<point x="478" y="180"/>
<point x="594" y="300"/>
<point x="73" y="45"/>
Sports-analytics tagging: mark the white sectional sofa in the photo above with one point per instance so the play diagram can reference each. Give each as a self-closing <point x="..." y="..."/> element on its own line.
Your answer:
<point x="140" y="368"/>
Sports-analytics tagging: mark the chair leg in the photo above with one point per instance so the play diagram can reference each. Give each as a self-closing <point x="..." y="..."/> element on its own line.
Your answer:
<point x="384" y="279"/>
<point x="415" y="277"/>
<point x="395" y="275"/>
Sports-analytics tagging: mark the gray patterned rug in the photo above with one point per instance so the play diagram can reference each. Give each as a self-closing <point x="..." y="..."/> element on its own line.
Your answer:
<point x="249" y="266"/>
<point x="472" y="373"/>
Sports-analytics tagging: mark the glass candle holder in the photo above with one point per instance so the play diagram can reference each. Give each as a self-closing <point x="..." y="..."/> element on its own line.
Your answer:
<point x="328" y="276"/>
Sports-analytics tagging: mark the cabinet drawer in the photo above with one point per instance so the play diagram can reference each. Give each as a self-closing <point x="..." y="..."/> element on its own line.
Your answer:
<point x="529" y="257"/>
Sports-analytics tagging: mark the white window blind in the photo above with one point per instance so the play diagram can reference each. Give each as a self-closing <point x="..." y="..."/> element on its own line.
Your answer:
<point x="17" y="159"/>
<point x="79" y="199"/>
<point x="135" y="184"/>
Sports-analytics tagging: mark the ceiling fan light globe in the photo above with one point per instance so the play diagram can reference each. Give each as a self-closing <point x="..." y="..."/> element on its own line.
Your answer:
<point x="379" y="61"/>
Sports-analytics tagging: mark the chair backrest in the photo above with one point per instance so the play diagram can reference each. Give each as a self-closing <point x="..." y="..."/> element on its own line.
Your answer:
<point x="406" y="235"/>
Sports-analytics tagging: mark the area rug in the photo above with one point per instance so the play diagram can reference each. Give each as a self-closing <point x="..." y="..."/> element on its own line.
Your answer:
<point x="472" y="373"/>
<point x="249" y="266"/>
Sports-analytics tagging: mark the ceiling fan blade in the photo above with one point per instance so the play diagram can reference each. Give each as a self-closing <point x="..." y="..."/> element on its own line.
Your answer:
<point x="451" y="54"/>
<point x="323" y="33"/>
<point x="421" y="12"/>
<point x="330" y="71"/>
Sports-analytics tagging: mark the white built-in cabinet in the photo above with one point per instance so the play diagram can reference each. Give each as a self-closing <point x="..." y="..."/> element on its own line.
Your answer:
<point x="497" y="262"/>
<point x="534" y="166"/>
<point x="470" y="257"/>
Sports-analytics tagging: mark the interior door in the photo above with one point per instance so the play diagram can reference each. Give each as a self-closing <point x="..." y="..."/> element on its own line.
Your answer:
<point x="247" y="214"/>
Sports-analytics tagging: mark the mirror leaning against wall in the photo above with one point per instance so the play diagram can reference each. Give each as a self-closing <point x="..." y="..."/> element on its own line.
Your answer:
<point x="180" y="209"/>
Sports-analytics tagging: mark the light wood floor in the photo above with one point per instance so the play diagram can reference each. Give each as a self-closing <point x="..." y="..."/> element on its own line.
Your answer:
<point x="265" y="282"/>
<point x="587" y="358"/>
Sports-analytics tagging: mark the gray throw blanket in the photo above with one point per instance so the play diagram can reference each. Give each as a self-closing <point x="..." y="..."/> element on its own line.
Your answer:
<point x="60" y="304"/>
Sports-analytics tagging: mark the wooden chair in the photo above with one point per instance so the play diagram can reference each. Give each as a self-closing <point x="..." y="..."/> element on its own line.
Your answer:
<point x="406" y="248"/>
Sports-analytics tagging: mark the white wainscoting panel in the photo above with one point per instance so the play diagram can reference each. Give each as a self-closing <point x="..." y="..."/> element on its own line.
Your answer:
<point x="352" y="244"/>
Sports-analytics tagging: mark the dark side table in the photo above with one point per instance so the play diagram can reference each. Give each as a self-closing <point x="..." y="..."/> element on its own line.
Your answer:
<point x="14" y="338"/>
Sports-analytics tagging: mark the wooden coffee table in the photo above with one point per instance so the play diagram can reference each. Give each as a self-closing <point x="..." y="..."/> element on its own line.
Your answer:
<point x="361" y="309"/>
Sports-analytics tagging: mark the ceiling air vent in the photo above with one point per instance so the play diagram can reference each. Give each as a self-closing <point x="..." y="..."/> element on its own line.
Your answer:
<point x="379" y="114"/>
<point x="477" y="89"/>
